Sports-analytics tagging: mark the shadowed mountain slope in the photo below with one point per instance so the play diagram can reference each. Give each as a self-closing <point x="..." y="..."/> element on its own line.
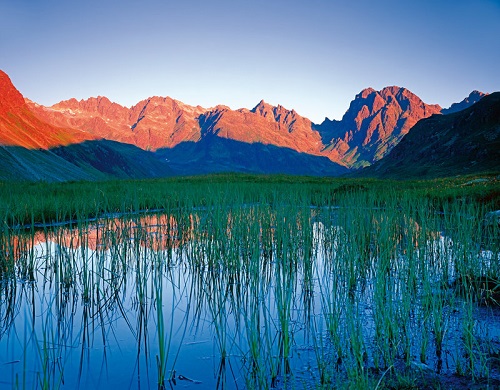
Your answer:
<point x="115" y="159"/>
<point x="90" y="160"/>
<point x="213" y="154"/>
<point x="18" y="163"/>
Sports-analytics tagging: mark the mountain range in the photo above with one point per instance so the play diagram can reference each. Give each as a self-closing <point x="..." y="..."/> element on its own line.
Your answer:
<point x="97" y="139"/>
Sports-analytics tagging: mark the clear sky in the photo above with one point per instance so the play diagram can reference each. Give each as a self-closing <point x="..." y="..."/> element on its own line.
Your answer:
<point x="313" y="56"/>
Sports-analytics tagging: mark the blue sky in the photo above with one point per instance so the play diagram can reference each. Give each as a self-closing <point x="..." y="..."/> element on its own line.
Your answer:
<point x="313" y="56"/>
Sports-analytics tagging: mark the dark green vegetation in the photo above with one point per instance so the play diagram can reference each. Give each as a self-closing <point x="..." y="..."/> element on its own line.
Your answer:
<point x="463" y="142"/>
<point x="251" y="282"/>
<point x="90" y="160"/>
<point x="24" y="202"/>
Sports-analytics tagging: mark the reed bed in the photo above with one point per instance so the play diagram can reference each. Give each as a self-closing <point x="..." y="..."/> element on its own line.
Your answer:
<point x="250" y="282"/>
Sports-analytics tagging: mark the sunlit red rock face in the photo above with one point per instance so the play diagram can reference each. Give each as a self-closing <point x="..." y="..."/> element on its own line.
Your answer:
<point x="19" y="126"/>
<point x="374" y="123"/>
<point x="150" y="124"/>
<point x="464" y="142"/>
<point x="164" y="122"/>
<point x="265" y="124"/>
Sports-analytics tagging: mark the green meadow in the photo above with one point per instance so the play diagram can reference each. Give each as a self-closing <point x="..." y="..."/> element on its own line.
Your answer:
<point x="259" y="282"/>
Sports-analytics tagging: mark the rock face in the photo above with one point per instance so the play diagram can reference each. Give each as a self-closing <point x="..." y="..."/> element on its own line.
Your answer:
<point x="164" y="122"/>
<point x="11" y="99"/>
<point x="374" y="123"/>
<point x="266" y="139"/>
<point x="150" y="124"/>
<point x="264" y="124"/>
<point x="464" y="142"/>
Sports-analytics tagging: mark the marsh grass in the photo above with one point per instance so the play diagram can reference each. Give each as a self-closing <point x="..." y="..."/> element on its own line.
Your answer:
<point x="298" y="282"/>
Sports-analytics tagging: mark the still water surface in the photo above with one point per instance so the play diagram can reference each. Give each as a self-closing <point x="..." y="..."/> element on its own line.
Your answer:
<point x="252" y="301"/>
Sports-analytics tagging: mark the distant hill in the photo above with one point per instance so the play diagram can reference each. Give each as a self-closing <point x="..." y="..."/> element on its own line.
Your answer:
<point x="473" y="98"/>
<point x="463" y="142"/>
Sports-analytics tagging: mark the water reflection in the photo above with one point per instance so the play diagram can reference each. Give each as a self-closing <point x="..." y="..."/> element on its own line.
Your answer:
<point x="319" y="297"/>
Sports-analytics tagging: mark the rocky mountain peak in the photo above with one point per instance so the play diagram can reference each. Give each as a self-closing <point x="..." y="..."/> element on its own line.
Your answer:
<point x="263" y="109"/>
<point x="475" y="95"/>
<point x="395" y="91"/>
<point x="99" y="105"/>
<point x="374" y="123"/>
<point x="278" y="114"/>
<point x="365" y="93"/>
<point x="19" y="126"/>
